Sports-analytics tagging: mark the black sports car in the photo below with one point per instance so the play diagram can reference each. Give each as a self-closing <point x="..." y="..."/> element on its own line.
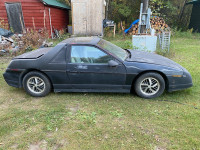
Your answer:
<point x="91" y="64"/>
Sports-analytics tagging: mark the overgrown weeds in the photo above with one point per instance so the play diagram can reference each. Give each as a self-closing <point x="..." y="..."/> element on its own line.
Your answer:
<point x="31" y="39"/>
<point x="190" y="33"/>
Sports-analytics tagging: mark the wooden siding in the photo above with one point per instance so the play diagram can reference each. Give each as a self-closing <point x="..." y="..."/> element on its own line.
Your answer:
<point x="35" y="13"/>
<point x="59" y="17"/>
<point x="94" y="15"/>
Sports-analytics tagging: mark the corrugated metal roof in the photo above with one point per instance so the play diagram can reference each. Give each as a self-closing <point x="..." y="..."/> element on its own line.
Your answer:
<point x="55" y="3"/>
<point x="194" y="2"/>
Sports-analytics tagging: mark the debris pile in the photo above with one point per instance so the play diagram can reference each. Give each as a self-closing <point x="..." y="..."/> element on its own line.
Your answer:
<point x="157" y="23"/>
<point x="7" y="46"/>
<point x="13" y="44"/>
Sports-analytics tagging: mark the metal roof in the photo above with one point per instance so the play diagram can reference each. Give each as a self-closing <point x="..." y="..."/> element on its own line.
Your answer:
<point x="55" y="3"/>
<point x="194" y="2"/>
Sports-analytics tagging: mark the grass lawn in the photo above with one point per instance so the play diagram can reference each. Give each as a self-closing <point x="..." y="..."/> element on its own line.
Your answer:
<point x="105" y="121"/>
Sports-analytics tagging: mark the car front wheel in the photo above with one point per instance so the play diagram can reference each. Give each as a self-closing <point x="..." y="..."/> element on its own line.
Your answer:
<point x="150" y="85"/>
<point x="36" y="84"/>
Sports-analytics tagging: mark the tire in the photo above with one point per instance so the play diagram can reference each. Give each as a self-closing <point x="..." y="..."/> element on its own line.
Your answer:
<point x="149" y="85"/>
<point x="36" y="84"/>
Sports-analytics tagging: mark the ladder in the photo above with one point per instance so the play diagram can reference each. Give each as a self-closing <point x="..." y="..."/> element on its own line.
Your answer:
<point x="165" y="40"/>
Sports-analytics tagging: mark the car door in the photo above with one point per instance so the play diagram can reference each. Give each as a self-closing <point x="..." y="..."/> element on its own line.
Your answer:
<point x="88" y="69"/>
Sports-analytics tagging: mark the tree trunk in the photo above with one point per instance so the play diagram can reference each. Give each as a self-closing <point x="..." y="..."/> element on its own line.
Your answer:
<point x="182" y="11"/>
<point x="107" y="8"/>
<point x="145" y="9"/>
<point x="145" y="5"/>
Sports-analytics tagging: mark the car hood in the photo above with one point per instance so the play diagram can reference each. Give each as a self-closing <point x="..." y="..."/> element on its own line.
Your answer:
<point x="34" y="54"/>
<point x="146" y="57"/>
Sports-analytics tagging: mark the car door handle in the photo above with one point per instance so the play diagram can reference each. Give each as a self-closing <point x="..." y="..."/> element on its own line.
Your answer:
<point x="81" y="67"/>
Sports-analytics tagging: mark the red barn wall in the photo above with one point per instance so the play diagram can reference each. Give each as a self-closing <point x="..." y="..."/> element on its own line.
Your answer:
<point x="59" y="17"/>
<point x="36" y="13"/>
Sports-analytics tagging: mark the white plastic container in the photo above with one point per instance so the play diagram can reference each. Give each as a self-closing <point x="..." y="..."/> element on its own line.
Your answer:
<point x="144" y="42"/>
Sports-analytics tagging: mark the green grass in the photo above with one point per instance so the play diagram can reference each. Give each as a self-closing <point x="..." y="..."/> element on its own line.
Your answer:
<point x="105" y="121"/>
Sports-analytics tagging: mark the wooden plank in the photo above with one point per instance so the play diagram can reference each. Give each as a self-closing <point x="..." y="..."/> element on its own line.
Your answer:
<point x="94" y="16"/>
<point x="41" y="19"/>
<point x="80" y="18"/>
<point x="27" y="3"/>
<point x="32" y="8"/>
<point x="33" y="11"/>
<point x="72" y="19"/>
<point x="34" y="14"/>
<point x="30" y="24"/>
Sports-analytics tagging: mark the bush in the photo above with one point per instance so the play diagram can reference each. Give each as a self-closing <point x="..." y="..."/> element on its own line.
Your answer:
<point x="186" y="34"/>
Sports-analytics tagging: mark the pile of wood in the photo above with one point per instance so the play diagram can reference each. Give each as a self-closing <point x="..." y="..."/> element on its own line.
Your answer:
<point x="134" y="29"/>
<point x="157" y="23"/>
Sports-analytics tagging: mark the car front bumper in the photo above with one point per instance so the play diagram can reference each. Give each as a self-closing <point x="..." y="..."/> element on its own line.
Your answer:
<point x="12" y="78"/>
<point x="176" y="83"/>
<point x="178" y="87"/>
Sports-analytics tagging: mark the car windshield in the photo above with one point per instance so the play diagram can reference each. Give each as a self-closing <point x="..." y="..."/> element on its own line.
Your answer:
<point x="113" y="49"/>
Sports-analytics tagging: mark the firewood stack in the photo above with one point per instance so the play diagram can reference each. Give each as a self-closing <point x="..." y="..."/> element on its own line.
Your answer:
<point x="157" y="23"/>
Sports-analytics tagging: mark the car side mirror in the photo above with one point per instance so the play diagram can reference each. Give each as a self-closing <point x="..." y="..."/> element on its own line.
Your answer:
<point x="112" y="63"/>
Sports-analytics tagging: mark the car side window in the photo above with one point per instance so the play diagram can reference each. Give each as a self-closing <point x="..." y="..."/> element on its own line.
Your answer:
<point x="88" y="54"/>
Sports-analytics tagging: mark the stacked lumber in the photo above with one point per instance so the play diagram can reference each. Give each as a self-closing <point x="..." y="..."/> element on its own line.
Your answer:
<point x="157" y="23"/>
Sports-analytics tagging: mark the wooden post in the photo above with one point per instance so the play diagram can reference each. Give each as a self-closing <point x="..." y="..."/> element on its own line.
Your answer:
<point x="33" y="23"/>
<point x="72" y="11"/>
<point x="50" y="23"/>
<point x="114" y="31"/>
<point x="145" y="9"/>
<point x="44" y="19"/>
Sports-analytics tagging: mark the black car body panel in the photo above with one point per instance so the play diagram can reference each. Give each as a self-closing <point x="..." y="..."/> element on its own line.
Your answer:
<point x="34" y="54"/>
<point x="69" y="77"/>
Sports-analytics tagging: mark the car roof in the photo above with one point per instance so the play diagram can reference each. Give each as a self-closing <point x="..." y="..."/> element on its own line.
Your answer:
<point x="82" y="40"/>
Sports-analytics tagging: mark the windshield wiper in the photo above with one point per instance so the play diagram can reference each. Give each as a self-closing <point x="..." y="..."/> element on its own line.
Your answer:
<point x="128" y="54"/>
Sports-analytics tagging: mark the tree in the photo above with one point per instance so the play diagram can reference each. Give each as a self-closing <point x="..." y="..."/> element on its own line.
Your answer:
<point x="175" y="13"/>
<point x="123" y="10"/>
<point x="68" y="2"/>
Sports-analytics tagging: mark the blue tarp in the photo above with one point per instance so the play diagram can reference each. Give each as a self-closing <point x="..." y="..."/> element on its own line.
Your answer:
<point x="135" y="22"/>
<point x="5" y="33"/>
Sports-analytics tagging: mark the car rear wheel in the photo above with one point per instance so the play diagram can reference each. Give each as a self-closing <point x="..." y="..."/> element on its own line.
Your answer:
<point x="150" y="85"/>
<point x="36" y="84"/>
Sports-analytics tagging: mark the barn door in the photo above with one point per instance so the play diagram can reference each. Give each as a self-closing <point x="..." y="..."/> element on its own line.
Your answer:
<point x="15" y="17"/>
<point x="80" y="18"/>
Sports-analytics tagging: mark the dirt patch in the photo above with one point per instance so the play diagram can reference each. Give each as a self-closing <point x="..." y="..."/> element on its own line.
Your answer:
<point x="159" y="148"/>
<point x="73" y="109"/>
<point x="14" y="146"/>
<point x="42" y="145"/>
